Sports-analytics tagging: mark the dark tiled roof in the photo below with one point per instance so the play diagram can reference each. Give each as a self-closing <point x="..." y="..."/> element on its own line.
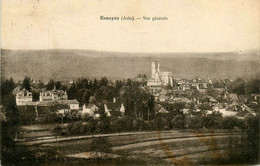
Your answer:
<point x="68" y="102"/>
<point x="90" y="105"/>
<point x="242" y="114"/>
<point x="113" y="106"/>
<point x="232" y="96"/>
<point x="61" y="102"/>
<point x="241" y="99"/>
<point x="157" y="107"/>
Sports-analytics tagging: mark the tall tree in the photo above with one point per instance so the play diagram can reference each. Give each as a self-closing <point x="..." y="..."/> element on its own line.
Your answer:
<point x="95" y="84"/>
<point x="26" y="84"/>
<point x="72" y="92"/>
<point x="128" y="82"/>
<point x="92" y="100"/>
<point x="50" y="85"/>
<point x="58" y="85"/>
<point x="104" y="124"/>
<point x="90" y="84"/>
<point x="10" y="124"/>
<point x="103" y="81"/>
<point x="151" y="112"/>
<point x="238" y="86"/>
<point x="253" y="87"/>
<point x="86" y="96"/>
<point x="7" y="86"/>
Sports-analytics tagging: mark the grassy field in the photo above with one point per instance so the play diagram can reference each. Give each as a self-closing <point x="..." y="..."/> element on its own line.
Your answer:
<point x="120" y="140"/>
<point x="151" y="148"/>
<point x="160" y="148"/>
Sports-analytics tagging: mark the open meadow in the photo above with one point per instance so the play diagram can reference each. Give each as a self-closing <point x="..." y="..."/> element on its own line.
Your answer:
<point x="138" y="148"/>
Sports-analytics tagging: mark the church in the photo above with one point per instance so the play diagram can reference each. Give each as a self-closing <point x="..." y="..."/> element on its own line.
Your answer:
<point x="159" y="78"/>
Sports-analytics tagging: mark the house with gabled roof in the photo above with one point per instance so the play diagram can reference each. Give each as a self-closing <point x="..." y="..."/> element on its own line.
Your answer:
<point x="234" y="108"/>
<point x="209" y="99"/>
<point x="3" y="117"/>
<point x="114" y="108"/>
<point x="73" y="104"/>
<point x="159" y="109"/>
<point x="220" y="90"/>
<point x="63" y="111"/>
<point x="163" y="98"/>
<point x="243" y="114"/>
<point x="232" y="97"/>
<point x="163" y="92"/>
<point x="53" y="95"/>
<point x="246" y="108"/>
<point x="234" y="103"/>
<point x="226" y="113"/>
<point x="90" y="109"/>
<point x="242" y="99"/>
<point x="185" y="111"/>
<point x="23" y="97"/>
<point x="253" y="104"/>
<point x="224" y="110"/>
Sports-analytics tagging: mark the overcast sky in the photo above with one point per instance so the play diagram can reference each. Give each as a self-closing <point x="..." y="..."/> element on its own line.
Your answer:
<point x="192" y="25"/>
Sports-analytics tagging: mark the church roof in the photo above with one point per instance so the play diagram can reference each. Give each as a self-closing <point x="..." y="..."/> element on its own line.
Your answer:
<point x="166" y="74"/>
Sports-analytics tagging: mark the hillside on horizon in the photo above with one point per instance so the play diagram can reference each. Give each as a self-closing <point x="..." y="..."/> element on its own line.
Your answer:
<point x="71" y="64"/>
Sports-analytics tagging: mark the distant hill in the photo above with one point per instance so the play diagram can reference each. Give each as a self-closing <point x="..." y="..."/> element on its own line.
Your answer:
<point x="71" y="64"/>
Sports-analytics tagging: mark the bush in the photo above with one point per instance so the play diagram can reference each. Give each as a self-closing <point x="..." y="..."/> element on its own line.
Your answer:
<point x="116" y="125"/>
<point x="229" y="122"/>
<point x="138" y="124"/>
<point x="195" y="122"/>
<point x="148" y="125"/>
<point x="57" y="130"/>
<point x="75" y="128"/>
<point x="101" y="144"/>
<point x="178" y="121"/>
<point x="27" y="114"/>
<point x="212" y="121"/>
<point x="159" y="123"/>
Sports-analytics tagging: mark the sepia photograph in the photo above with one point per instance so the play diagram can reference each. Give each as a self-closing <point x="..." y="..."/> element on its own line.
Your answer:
<point x="134" y="82"/>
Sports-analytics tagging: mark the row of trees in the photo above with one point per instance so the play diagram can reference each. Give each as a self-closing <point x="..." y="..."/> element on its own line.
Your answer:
<point x="138" y="102"/>
<point x="161" y="122"/>
<point x="28" y="85"/>
<point x="241" y="86"/>
<point x="238" y="86"/>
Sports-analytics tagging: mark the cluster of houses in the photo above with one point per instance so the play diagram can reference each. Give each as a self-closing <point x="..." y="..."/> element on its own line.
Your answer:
<point x="47" y="98"/>
<point x="183" y="91"/>
<point x="64" y="106"/>
<point x="227" y="104"/>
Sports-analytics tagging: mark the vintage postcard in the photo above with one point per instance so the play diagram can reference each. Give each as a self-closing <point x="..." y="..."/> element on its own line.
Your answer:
<point x="133" y="82"/>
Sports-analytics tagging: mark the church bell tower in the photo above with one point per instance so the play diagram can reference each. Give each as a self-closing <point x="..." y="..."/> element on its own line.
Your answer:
<point x="155" y="68"/>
